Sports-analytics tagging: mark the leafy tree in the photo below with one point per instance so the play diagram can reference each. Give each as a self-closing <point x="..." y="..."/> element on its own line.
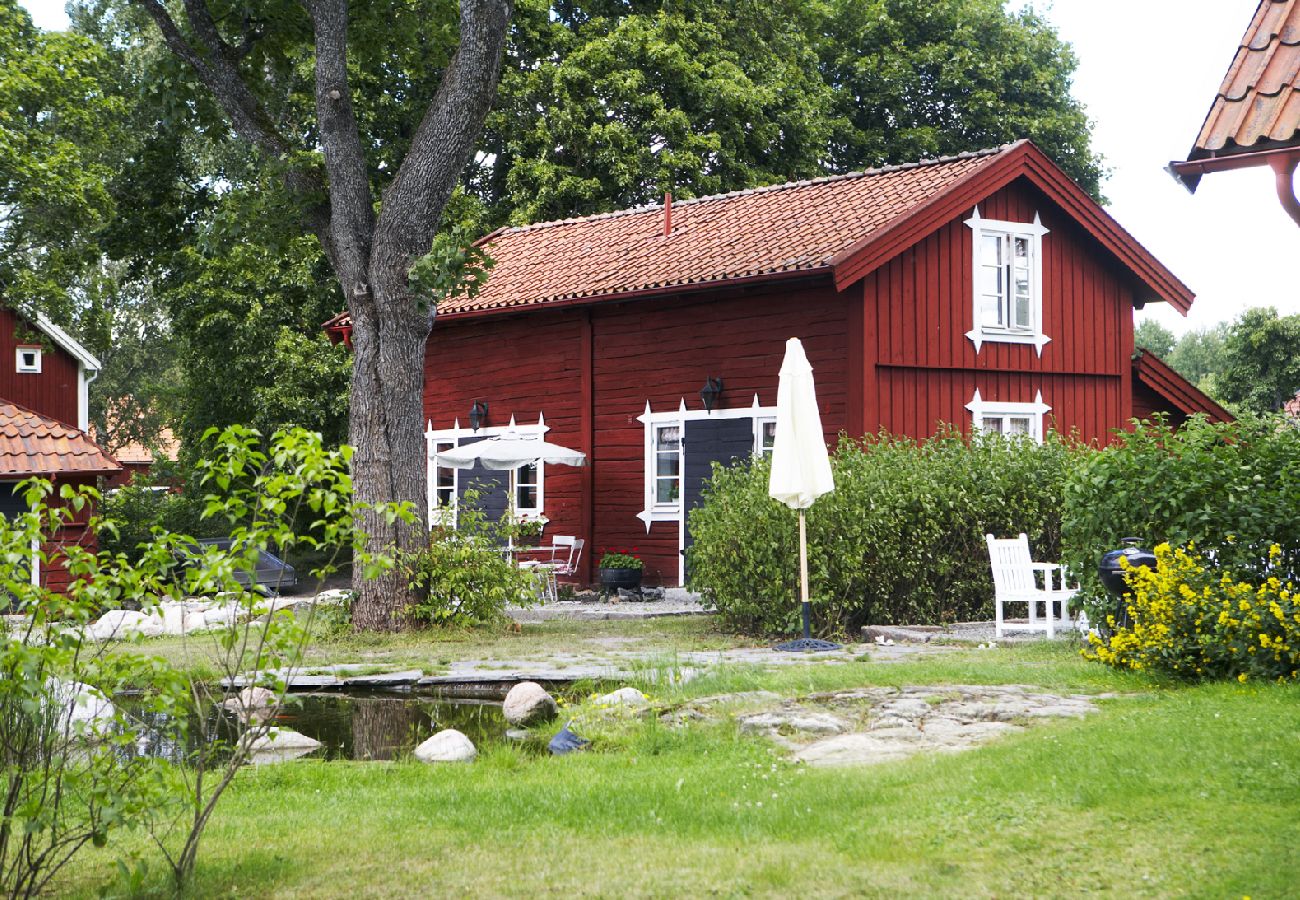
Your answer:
<point x="373" y="205"/>
<point x="1198" y="356"/>
<point x="60" y="139"/>
<point x="915" y="78"/>
<point x="1261" y="360"/>
<point x="1151" y="335"/>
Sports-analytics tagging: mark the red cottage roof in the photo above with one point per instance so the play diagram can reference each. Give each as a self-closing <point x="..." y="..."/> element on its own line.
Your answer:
<point x="1159" y="376"/>
<point x="32" y="444"/>
<point x="1257" y="108"/>
<point x="842" y="226"/>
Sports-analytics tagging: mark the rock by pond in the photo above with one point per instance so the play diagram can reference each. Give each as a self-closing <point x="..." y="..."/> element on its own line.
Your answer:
<point x="627" y="696"/>
<point x="446" y="746"/>
<point x="528" y="703"/>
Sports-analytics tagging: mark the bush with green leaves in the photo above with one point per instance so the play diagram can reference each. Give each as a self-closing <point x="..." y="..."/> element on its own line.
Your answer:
<point x="464" y="577"/>
<point x="136" y="509"/>
<point x="899" y="540"/>
<point x="1231" y="489"/>
<point x="72" y="772"/>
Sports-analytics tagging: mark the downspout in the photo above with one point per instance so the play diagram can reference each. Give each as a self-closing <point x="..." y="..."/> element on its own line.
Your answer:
<point x="1284" y="174"/>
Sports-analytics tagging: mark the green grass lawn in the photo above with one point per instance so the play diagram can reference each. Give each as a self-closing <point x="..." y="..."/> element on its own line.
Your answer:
<point x="1168" y="791"/>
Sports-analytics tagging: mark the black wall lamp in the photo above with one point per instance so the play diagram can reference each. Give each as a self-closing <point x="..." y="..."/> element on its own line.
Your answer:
<point x="478" y="414"/>
<point x="710" y="393"/>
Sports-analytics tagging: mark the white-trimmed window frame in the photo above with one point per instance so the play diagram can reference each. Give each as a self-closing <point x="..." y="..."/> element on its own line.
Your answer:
<point x="23" y="367"/>
<point x="652" y="512"/>
<point x="982" y="411"/>
<point x="439" y="514"/>
<point x="1033" y="233"/>
<point x="761" y="448"/>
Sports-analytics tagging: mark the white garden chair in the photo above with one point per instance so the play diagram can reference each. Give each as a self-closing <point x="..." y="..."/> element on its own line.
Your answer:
<point x="1016" y="580"/>
<point x="565" y="555"/>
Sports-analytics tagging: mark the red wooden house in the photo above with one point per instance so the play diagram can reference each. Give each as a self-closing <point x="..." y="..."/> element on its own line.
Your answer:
<point x="986" y="290"/>
<point x="44" y="412"/>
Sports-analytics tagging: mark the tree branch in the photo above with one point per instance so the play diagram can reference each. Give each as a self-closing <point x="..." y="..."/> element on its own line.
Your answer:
<point x="352" y="216"/>
<point x="218" y="71"/>
<point x="446" y="137"/>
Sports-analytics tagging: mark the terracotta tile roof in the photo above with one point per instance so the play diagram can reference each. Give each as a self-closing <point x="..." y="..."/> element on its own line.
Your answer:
<point x="1258" y="104"/>
<point x="762" y="231"/>
<point x="32" y="444"/>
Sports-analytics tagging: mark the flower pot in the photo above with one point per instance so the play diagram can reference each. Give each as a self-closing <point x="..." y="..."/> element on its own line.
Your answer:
<point x="613" y="579"/>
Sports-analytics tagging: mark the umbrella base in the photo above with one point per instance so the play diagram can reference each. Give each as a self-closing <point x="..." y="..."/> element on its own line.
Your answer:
<point x="806" y="645"/>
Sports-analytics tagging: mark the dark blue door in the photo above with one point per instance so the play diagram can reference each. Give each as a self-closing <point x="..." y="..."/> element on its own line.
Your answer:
<point x="705" y="442"/>
<point x="493" y="486"/>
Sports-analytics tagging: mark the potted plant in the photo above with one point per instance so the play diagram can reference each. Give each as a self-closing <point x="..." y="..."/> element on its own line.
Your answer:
<point x="528" y="532"/>
<point x="620" y="569"/>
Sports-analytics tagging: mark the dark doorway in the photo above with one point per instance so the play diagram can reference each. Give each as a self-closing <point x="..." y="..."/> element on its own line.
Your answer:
<point x="705" y="442"/>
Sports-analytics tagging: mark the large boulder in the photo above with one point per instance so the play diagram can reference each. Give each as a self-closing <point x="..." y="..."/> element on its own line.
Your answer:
<point x="120" y="624"/>
<point x="528" y="703"/>
<point x="446" y="746"/>
<point x="280" y="745"/>
<point x="628" y="696"/>
<point x="251" y="702"/>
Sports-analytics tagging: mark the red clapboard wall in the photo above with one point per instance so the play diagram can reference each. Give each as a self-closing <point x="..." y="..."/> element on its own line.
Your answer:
<point x="52" y="392"/>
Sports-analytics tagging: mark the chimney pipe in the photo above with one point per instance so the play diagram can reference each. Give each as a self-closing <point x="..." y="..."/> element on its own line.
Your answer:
<point x="668" y="213"/>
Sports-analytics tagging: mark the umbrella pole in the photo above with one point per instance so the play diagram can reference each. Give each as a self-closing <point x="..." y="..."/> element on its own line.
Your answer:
<point x="803" y="576"/>
<point x="807" y="643"/>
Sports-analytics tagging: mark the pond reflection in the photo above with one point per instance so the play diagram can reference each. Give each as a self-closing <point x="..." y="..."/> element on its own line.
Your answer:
<point x="359" y="726"/>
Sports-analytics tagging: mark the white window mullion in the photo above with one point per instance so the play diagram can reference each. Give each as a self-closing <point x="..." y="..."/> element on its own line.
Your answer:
<point x="1008" y="282"/>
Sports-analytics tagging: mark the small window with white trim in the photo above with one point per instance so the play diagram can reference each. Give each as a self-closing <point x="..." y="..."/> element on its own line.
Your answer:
<point x="29" y="360"/>
<point x="528" y="490"/>
<point x="1008" y="282"/>
<point x="1009" y="419"/>
<point x="668" y="466"/>
<point x="765" y="436"/>
<point x="445" y="489"/>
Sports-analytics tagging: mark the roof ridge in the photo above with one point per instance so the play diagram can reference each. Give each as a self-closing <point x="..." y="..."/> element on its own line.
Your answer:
<point x="769" y="188"/>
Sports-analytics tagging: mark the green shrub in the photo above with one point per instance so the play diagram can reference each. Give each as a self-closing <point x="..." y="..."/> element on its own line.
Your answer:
<point x="135" y="510"/>
<point x="1231" y="489"/>
<point x="463" y="577"/>
<point x="900" y="540"/>
<point x="1194" y="621"/>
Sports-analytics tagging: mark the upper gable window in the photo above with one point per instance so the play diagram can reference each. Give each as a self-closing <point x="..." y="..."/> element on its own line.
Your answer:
<point x="1008" y="279"/>
<point x="29" y="360"/>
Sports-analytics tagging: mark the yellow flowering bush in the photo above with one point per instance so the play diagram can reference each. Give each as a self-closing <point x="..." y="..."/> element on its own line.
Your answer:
<point x="1193" y="621"/>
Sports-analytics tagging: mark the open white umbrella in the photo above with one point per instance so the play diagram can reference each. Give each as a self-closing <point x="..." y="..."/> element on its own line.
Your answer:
<point x="510" y="451"/>
<point x="801" y="469"/>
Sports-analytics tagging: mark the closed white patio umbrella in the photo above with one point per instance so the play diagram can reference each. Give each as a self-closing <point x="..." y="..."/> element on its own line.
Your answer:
<point x="801" y="468"/>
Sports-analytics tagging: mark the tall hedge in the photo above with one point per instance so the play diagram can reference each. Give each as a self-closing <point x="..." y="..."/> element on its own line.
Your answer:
<point x="900" y="540"/>
<point x="1231" y="489"/>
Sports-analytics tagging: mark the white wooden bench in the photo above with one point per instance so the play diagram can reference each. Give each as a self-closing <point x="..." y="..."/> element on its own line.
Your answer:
<point x="1016" y="580"/>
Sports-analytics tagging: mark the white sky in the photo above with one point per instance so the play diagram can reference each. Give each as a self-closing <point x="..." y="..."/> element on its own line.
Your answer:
<point x="1147" y="73"/>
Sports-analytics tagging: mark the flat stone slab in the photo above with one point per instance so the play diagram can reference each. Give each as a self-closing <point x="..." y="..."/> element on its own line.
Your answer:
<point x="611" y="610"/>
<point x="873" y="725"/>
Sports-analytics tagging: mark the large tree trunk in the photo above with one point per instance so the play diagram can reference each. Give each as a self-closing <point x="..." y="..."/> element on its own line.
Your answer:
<point x="386" y="428"/>
<point x="371" y="255"/>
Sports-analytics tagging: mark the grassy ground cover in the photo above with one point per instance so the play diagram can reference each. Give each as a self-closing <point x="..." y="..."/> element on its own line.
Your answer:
<point x="1168" y="791"/>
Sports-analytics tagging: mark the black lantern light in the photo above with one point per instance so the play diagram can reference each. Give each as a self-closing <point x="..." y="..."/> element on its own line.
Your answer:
<point x="478" y="414"/>
<point x="710" y="393"/>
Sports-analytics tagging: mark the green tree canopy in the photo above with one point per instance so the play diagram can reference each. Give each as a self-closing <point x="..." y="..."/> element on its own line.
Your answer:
<point x="1151" y="335"/>
<point x="1261" y="360"/>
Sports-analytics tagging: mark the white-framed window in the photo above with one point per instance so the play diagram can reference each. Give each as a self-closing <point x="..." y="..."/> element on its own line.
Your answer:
<point x="1008" y="282"/>
<point x="995" y="417"/>
<point x="667" y="476"/>
<point x="29" y="360"/>
<point x="444" y="481"/>
<point x="764" y="435"/>
<point x="528" y="490"/>
<point x="444" y="485"/>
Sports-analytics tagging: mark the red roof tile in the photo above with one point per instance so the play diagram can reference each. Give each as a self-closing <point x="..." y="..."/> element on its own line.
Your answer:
<point x="1258" y="104"/>
<point x="784" y="228"/>
<point x="842" y="225"/>
<point x="32" y="444"/>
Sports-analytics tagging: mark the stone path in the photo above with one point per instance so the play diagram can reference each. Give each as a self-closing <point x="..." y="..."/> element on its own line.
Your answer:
<point x="677" y="602"/>
<point x="873" y="725"/>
